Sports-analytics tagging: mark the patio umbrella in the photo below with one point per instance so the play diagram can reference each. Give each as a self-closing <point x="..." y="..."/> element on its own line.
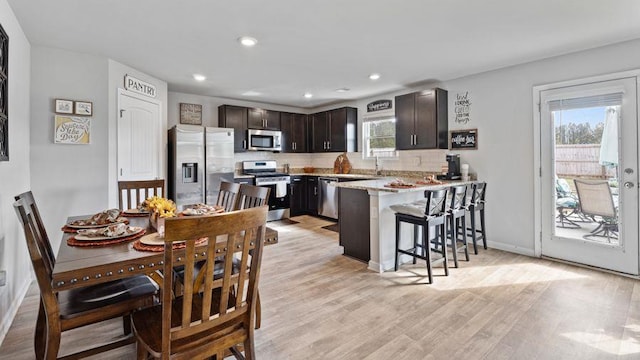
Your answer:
<point x="609" y="142"/>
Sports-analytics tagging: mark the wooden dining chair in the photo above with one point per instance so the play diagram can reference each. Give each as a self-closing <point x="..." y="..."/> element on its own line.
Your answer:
<point x="252" y="196"/>
<point x="228" y="195"/>
<point x="221" y="315"/>
<point x="48" y="256"/>
<point x="133" y="193"/>
<point x="75" y="308"/>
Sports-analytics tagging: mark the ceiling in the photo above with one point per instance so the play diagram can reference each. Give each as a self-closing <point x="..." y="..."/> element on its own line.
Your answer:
<point x="319" y="46"/>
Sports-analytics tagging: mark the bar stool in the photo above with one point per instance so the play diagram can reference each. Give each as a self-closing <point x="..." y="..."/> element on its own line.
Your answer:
<point x="476" y="205"/>
<point x="427" y="213"/>
<point x="457" y="221"/>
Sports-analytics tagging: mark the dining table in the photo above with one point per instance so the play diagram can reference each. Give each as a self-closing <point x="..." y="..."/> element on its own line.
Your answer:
<point x="80" y="266"/>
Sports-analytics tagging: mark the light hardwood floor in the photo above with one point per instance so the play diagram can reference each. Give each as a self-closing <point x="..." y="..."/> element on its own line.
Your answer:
<point x="318" y="304"/>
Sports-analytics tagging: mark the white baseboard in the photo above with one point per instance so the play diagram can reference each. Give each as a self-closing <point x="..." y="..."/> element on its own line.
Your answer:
<point x="13" y="310"/>
<point x="511" y="248"/>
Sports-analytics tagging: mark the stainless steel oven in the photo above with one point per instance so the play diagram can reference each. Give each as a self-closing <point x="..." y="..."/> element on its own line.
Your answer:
<point x="265" y="175"/>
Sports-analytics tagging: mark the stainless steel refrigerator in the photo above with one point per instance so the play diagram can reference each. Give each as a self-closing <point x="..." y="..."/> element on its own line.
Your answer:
<point x="199" y="159"/>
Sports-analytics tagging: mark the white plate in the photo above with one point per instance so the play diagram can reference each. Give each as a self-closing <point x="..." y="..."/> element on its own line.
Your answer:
<point x="71" y="225"/>
<point x="131" y="230"/>
<point x="154" y="239"/>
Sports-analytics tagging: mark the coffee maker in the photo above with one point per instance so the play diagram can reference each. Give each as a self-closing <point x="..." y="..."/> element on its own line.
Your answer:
<point x="453" y="172"/>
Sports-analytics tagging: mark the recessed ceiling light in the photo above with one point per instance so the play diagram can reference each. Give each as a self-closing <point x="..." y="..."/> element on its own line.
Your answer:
<point x="198" y="77"/>
<point x="308" y="95"/>
<point x="248" y="41"/>
<point x="251" y="93"/>
<point x="374" y="76"/>
<point x="341" y="90"/>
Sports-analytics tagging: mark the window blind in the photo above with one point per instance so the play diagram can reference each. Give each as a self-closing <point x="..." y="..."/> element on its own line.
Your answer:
<point x="586" y="102"/>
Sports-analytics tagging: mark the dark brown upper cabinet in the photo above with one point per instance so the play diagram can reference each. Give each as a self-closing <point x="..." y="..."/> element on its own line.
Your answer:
<point x="422" y="120"/>
<point x="294" y="132"/>
<point x="335" y="130"/>
<point x="263" y="119"/>
<point x="235" y="117"/>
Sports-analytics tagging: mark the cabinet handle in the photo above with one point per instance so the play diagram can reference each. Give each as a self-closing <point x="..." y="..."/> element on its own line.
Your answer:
<point x="244" y="144"/>
<point x="315" y="191"/>
<point x="415" y="139"/>
<point x="266" y="122"/>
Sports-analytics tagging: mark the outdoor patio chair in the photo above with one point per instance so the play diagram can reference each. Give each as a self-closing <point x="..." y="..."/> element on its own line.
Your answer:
<point x="596" y="201"/>
<point x="566" y="205"/>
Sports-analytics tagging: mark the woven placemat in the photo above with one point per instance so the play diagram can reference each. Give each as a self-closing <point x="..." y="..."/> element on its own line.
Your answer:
<point x="73" y="242"/>
<point x="159" y="248"/>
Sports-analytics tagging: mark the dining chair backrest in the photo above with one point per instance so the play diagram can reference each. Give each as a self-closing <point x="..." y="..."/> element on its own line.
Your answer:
<point x="227" y="299"/>
<point x="458" y="197"/>
<point x="41" y="237"/>
<point x="252" y="196"/>
<point x="479" y="193"/>
<point x="228" y="195"/>
<point x="133" y="193"/>
<point x="595" y="198"/>
<point x="41" y="266"/>
<point x="436" y="202"/>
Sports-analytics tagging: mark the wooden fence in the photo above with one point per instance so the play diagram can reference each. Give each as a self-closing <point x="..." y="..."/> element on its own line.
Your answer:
<point x="581" y="161"/>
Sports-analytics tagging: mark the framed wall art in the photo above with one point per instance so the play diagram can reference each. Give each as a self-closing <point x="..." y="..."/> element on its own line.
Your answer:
<point x="4" y="95"/>
<point x="190" y="114"/>
<point x="72" y="130"/>
<point x="83" y="108"/>
<point x="463" y="139"/>
<point x="64" y="106"/>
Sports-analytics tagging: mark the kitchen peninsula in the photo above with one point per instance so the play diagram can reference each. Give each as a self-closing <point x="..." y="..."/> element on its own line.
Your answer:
<point x="381" y="218"/>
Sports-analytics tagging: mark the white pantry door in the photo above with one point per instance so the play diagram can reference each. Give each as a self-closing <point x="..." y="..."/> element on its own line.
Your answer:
<point x="139" y="137"/>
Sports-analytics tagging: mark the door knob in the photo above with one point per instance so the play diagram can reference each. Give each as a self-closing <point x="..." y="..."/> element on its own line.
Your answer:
<point x="628" y="184"/>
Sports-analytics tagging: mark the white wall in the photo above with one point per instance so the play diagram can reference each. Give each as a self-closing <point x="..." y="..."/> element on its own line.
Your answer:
<point x="117" y="72"/>
<point x="67" y="179"/>
<point x="14" y="174"/>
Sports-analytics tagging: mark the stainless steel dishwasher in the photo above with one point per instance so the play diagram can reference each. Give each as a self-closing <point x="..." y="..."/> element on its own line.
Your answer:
<point x="328" y="204"/>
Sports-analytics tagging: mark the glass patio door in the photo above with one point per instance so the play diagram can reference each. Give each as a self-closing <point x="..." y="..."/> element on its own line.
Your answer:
<point x="589" y="167"/>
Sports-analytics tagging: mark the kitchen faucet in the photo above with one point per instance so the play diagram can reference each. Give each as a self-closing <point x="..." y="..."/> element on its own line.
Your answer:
<point x="378" y="167"/>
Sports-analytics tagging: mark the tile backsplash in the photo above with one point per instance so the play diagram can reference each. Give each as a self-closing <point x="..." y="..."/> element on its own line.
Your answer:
<point x="411" y="160"/>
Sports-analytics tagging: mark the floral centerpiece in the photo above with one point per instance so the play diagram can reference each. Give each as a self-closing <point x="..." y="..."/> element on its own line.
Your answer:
<point x="159" y="209"/>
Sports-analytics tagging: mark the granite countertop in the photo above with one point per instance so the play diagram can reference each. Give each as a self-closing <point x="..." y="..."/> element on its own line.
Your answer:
<point x="379" y="185"/>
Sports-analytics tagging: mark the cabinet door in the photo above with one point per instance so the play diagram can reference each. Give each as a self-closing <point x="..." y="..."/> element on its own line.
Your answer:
<point x="337" y="130"/>
<point x="235" y="117"/>
<point x="312" y="195"/>
<point x="288" y="132"/>
<point x="405" y="117"/>
<point x="299" y="133"/>
<point x="255" y="118"/>
<point x="319" y="122"/>
<point x="297" y="196"/>
<point x="271" y="119"/>
<point x="426" y="125"/>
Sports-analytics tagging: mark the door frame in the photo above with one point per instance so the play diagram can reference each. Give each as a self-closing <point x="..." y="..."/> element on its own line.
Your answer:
<point x="537" y="134"/>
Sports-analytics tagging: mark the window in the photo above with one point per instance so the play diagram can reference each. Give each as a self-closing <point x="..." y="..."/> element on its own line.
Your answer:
<point x="379" y="137"/>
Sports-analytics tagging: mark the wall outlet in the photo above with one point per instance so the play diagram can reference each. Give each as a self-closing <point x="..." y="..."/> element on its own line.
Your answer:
<point x="417" y="160"/>
<point x="3" y="277"/>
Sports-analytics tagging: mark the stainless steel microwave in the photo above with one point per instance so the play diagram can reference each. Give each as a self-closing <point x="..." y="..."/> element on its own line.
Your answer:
<point x="266" y="140"/>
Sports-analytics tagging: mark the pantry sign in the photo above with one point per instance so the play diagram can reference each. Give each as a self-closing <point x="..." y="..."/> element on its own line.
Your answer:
<point x="139" y="86"/>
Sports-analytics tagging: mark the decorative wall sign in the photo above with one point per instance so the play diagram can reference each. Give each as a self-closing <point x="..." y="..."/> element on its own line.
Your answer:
<point x="4" y="95"/>
<point x="379" y="105"/>
<point x="64" y="106"/>
<point x="463" y="139"/>
<point x="462" y="108"/>
<point x="190" y="114"/>
<point x="139" y="86"/>
<point x="72" y="130"/>
<point x="83" y="108"/>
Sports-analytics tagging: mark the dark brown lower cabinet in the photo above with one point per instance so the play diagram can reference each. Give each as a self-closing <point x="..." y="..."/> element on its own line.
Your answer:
<point x="353" y="207"/>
